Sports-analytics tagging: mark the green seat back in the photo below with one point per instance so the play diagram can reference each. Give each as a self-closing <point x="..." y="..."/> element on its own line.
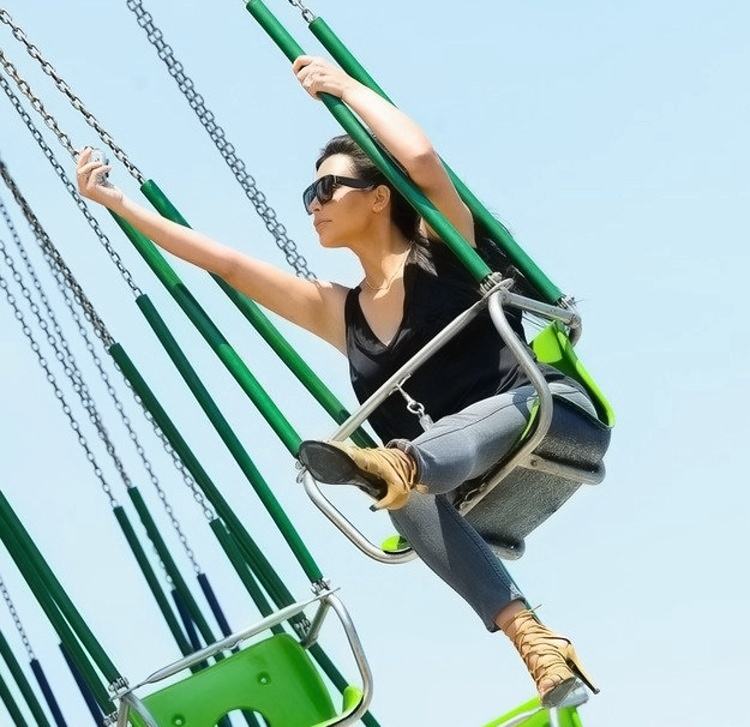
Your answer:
<point x="274" y="677"/>
<point x="552" y="347"/>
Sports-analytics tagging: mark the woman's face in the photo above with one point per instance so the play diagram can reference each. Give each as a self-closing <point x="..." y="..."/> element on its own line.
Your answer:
<point x="348" y="214"/>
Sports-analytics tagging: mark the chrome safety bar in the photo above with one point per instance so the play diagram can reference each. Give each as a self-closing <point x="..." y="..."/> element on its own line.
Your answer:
<point x="496" y="294"/>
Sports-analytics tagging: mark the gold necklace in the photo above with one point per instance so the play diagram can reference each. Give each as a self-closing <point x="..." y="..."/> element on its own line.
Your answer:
<point x="390" y="280"/>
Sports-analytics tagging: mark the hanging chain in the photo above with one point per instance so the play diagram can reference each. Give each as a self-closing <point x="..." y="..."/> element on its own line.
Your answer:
<point x="307" y="15"/>
<point x="48" y="246"/>
<point x="59" y="279"/>
<point x="49" y="70"/>
<point x="227" y="150"/>
<point x="16" y="620"/>
<point x="75" y="426"/>
<point x="69" y="186"/>
<point x="68" y="285"/>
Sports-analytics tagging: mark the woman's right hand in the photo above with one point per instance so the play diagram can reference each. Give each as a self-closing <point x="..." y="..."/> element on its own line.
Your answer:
<point x="87" y="176"/>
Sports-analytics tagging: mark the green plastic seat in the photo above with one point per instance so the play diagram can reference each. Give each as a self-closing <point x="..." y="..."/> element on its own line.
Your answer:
<point x="508" y="514"/>
<point x="275" y="678"/>
<point x="566" y="717"/>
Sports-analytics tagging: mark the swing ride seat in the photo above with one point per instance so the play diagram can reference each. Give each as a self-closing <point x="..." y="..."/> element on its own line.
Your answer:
<point x="569" y="455"/>
<point x="274" y="678"/>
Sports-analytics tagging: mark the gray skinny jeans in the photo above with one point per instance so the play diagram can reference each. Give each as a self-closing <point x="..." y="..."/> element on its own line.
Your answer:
<point x="457" y="448"/>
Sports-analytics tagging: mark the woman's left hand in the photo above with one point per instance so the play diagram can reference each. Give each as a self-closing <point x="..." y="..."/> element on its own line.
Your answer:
<point x="317" y="76"/>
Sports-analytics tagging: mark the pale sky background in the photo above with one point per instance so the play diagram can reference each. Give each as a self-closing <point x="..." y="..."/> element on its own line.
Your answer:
<point x="612" y="139"/>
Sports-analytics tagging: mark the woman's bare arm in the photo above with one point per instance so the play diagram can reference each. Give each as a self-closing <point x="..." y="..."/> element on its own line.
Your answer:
<point x="316" y="306"/>
<point x="398" y="133"/>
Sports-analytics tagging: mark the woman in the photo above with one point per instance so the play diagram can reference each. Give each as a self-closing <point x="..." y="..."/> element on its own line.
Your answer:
<point x="412" y="287"/>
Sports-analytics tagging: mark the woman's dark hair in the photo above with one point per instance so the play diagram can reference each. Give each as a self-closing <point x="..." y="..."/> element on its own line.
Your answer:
<point x="405" y="217"/>
<point x="403" y="214"/>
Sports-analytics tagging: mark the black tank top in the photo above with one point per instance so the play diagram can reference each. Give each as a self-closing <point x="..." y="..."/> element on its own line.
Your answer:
<point x="474" y="365"/>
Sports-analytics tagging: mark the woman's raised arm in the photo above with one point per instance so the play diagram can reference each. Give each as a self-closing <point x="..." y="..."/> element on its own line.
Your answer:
<point x="316" y="306"/>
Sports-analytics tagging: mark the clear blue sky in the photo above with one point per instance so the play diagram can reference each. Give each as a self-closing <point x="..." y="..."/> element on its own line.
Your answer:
<point x="612" y="139"/>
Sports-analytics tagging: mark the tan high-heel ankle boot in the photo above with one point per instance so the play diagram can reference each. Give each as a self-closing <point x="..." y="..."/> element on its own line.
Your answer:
<point x="388" y="475"/>
<point x="549" y="657"/>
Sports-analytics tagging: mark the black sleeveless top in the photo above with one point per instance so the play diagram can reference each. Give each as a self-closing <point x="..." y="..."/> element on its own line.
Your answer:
<point x="474" y="365"/>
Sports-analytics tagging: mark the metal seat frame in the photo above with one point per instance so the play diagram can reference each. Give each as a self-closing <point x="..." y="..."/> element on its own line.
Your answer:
<point x="326" y="599"/>
<point x="495" y="296"/>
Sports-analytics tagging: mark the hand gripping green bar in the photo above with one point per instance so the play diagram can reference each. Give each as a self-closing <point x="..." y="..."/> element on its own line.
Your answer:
<point x="549" y="292"/>
<point x="447" y="232"/>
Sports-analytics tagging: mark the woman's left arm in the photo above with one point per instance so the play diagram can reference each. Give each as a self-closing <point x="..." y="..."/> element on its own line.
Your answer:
<point x="403" y="138"/>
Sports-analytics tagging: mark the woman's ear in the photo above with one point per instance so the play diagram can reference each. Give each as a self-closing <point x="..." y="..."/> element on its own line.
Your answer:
<point x="382" y="198"/>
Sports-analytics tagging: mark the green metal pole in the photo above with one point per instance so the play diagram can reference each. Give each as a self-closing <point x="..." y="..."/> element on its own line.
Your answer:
<point x="447" y="232"/>
<point x="229" y="546"/>
<point x="169" y="564"/>
<point x="252" y="554"/>
<point x="57" y="592"/>
<point x="23" y="683"/>
<point x="213" y="336"/>
<point x="253" y="313"/>
<point x="27" y="565"/>
<point x="131" y="373"/>
<point x="153" y="582"/>
<point x="221" y="425"/>
<point x="10" y="705"/>
<point x="494" y="228"/>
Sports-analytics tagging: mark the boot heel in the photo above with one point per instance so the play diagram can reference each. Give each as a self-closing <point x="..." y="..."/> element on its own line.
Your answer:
<point x="572" y="661"/>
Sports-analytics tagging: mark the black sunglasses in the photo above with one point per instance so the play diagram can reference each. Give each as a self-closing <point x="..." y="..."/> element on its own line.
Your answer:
<point x="323" y="189"/>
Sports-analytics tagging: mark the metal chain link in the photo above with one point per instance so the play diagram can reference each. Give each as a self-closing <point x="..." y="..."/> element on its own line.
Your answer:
<point x="307" y="15"/>
<point x="69" y="186"/>
<point x="227" y="150"/>
<point x="78" y="293"/>
<point x="76" y="102"/>
<point x="105" y="378"/>
<point x="16" y="620"/>
<point x="66" y="359"/>
<point x="75" y="426"/>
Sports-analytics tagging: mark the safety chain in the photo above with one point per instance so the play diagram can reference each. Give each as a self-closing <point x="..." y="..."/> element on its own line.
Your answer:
<point x="307" y="15"/>
<point x="60" y="280"/>
<point x="415" y="407"/>
<point x="16" y="619"/>
<point x="57" y="391"/>
<point x="227" y="150"/>
<point x="71" y="188"/>
<point x="67" y="285"/>
<point x="65" y="357"/>
<point x="49" y="70"/>
<point x="48" y="246"/>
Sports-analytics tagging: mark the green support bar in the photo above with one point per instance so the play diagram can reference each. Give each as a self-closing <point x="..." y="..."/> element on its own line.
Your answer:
<point x="10" y="705"/>
<point x="238" y="452"/>
<point x="252" y="554"/>
<point x="23" y="683"/>
<point x="32" y="567"/>
<point x="213" y="336"/>
<point x="229" y="546"/>
<point x="153" y="582"/>
<point x="447" y="232"/>
<point x="57" y="592"/>
<point x="267" y="576"/>
<point x="252" y="312"/>
<point x="169" y="564"/>
<point x="547" y="290"/>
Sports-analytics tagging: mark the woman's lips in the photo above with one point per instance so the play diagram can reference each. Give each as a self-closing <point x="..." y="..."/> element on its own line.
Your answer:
<point x="317" y="224"/>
